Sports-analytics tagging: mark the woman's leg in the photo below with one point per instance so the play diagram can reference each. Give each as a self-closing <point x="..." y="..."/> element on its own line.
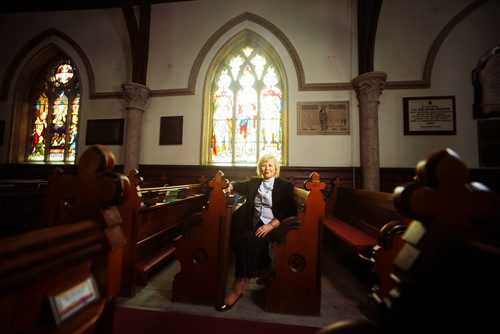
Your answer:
<point x="236" y="291"/>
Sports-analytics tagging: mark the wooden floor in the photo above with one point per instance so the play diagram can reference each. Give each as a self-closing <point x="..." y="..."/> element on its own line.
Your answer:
<point x="344" y="295"/>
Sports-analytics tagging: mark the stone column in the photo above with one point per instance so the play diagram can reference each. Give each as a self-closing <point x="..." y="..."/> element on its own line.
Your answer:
<point x="136" y="97"/>
<point x="368" y="87"/>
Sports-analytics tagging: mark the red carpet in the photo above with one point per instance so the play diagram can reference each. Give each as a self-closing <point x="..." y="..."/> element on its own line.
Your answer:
<point x="141" y="321"/>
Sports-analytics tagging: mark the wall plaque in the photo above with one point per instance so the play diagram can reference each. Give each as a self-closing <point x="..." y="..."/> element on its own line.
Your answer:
<point x="323" y="118"/>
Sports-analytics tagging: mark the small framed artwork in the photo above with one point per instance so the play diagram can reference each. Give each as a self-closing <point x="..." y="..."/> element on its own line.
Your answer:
<point x="105" y="131"/>
<point x="434" y="115"/>
<point x="71" y="300"/>
<point x="171" y="130"/>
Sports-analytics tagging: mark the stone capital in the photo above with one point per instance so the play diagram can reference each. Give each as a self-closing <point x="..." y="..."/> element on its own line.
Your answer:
<point x="369" y="86"/>
<point x="136" y="95"/>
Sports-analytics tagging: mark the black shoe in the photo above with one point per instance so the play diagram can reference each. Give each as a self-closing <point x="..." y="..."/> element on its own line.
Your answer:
<point x="225" y="307"/>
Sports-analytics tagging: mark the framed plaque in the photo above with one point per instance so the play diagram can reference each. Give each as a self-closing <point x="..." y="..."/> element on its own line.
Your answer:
<point x="73" y="299"/>
<point x="171" y="130"/>
<point x="429" y="115"/>
<point x="105" y="132"/>
<point x="323" y="118"/>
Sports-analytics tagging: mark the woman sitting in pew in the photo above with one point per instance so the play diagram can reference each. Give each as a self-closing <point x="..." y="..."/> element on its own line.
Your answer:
<point x="269" y="200"/>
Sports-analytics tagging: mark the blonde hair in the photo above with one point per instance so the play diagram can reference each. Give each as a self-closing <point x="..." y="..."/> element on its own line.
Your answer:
<point x="265" y="158"/>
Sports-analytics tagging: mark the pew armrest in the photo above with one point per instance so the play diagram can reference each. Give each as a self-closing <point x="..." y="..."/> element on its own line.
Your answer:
<point x="290" y="223"/>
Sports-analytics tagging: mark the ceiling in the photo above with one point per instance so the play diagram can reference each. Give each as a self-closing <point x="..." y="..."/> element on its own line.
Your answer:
<point x="55" y="5"/>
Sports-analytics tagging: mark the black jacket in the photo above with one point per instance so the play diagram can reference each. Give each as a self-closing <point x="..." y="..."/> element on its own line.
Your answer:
<point x="283" y="198"/>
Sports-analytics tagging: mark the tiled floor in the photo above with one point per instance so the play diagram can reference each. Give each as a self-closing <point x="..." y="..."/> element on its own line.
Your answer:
<point x="344" y="296"/>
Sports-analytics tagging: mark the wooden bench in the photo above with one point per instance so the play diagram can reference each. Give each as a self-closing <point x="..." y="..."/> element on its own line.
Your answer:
<point x="203" y="250"/>
<point x="75" y="263"/>
<point x="153" y="220"/>
<point x="355" y="217"/>
<point x="444" y="269"/>
<point x="296" y="288"/>
<point x="21" y="204"/>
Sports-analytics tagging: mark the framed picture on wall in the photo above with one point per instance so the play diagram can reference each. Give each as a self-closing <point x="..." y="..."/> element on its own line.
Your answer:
<point x="171" y="130"/>
<point x="323" y="118"/>
<point x="105" y="131"/>
<point x="434" y="115"/>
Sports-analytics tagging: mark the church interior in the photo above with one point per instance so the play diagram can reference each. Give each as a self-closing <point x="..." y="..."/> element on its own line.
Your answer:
<point x="123" y="124"/>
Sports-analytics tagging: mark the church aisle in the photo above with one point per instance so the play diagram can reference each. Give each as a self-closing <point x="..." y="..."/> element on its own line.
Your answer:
<point x="344" y="296"/>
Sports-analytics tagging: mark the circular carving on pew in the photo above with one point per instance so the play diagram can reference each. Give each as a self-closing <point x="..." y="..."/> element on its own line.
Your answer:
<point x="296" y="263"/>
<point x="199" y="256"/>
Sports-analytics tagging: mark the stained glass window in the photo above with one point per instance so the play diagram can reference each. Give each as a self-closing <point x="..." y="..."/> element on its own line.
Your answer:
<point x="55" y="113"/>
<point x="246" y="108"/>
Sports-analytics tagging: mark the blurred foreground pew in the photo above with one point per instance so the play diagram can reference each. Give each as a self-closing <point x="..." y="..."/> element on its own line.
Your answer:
<point x="445" y="276"/>
<point x="64" y="278"/>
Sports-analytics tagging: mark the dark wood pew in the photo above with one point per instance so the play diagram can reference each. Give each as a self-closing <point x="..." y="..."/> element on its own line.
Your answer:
<point x="152" y="220"/>
<point x="445" y="274"/>
<point x="297" y="286"/>
<point x="63" y="278"/>
<point x="356" y="216"/>
<point x="203" y="250"/>
<point x="389" y="244"/>
<point x="21" y="204"/>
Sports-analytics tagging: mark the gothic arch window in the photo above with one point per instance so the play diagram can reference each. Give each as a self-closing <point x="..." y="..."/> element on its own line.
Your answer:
<point x="54" y="107"/>
<point x="245" y="104"/>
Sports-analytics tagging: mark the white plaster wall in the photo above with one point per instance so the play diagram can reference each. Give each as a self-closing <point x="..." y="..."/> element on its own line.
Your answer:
<point x="323" y="32"/>
<point x="323" y="41"/>
<point x="405" y="35"/>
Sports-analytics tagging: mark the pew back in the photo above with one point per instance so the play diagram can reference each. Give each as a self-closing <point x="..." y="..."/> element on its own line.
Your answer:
<point x="203" y="249"/>
<point x="356" y="216"/>
<point x="153" y="219"/>
<point x="75" y="263"/>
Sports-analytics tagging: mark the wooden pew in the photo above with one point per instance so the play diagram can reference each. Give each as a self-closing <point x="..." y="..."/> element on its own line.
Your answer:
<point x="389" y="244"/>
<point x="297" y="286"/>
<point x="21" y="204"/>
<point x="153" y="219"/>
<point x="356" y="216"/>
<point x="203" y="250"/>
<point x="445" y="274"/>
<point x="75" y="263"/>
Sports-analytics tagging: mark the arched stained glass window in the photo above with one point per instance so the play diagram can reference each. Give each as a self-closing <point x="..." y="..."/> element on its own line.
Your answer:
<point x="55" y="111"/>
<point x="246" y="116"/>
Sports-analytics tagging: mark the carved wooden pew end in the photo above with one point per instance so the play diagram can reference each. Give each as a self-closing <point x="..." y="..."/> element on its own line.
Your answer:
<point x="296" y="289"/>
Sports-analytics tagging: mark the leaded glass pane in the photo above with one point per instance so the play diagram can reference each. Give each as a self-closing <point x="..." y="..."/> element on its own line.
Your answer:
<point x="246" y="110"/>
<point x="56" y="114"/>
<point x="38" y="137"/>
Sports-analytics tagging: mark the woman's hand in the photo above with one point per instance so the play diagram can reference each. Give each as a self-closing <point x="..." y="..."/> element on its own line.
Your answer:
<point x="266" y="228"/>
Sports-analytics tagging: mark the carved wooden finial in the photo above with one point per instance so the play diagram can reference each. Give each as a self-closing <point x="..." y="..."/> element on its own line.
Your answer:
<point x="337" y="182"/>
<point x="443" y="196"/>
<point x="202" y="180"/>
<point x="96" y="159"/>
<point x="135" y="178"/>
<point x="218" y="181"/>
<point x="314" y="182"/>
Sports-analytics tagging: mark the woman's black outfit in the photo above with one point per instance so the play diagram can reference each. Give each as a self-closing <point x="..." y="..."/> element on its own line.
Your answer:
<point x="252" y="252"/>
